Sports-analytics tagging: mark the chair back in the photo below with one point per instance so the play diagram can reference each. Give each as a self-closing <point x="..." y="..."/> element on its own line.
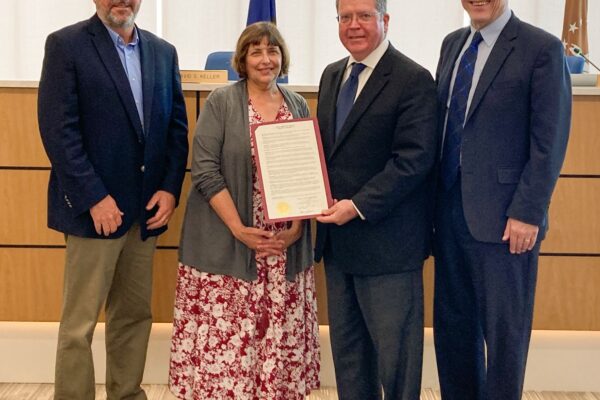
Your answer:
<point x="222" y="60"/>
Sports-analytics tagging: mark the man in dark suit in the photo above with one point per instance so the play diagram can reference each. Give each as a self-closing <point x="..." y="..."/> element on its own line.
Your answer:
<point x="505" y="97"/>
<point x="113" y="122"/>
<point x="377" y="114"/>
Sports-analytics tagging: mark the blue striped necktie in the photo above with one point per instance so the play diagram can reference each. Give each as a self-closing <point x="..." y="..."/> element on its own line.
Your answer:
<point x="346" y="97"/>
<point x="457" y="112"/>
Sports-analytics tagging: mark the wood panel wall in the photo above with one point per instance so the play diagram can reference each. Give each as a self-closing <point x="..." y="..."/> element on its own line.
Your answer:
<point x="32" y="256"/>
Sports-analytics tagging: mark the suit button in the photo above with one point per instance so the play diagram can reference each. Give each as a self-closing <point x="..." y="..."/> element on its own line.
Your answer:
<point x="142" y="168"/>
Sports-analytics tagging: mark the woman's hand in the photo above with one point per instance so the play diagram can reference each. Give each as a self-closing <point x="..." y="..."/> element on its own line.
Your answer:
<point x="259" y="240"/>
<point x="263" y="242"/>
<point x="267" y="243"/>
<point x="290" y="235"/>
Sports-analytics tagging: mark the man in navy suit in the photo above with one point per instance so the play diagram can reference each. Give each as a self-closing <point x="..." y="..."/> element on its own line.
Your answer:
<point x="112" y="119"/>
<point x="377" y="115"/>
<point x="505" y="97"/>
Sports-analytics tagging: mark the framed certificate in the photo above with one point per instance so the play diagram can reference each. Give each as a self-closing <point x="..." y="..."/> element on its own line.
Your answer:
<point x="291" y="169"/>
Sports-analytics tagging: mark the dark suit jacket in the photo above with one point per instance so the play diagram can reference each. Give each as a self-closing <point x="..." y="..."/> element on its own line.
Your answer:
<point x="93" y="134"/>
<point x="382" y="161"/>
<point x="516" y="130"/>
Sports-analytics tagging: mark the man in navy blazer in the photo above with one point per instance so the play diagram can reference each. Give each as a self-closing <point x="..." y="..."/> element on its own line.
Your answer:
<point x="375" y="237"/>
<point x="113" y="122"/>
<point x="492" y="202"/>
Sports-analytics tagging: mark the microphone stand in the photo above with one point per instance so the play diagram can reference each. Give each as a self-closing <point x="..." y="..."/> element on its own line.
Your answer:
<point x="577" y="51"/>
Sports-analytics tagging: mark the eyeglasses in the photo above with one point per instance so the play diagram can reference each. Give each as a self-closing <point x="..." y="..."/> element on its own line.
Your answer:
<point x="363" y="17"/>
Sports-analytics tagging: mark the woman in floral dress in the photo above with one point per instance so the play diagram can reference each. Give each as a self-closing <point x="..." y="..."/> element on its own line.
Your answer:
<point x="245" y="324"/>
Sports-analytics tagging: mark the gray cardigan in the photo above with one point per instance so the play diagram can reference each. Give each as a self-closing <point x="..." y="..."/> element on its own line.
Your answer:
<point x="221" y="159"/>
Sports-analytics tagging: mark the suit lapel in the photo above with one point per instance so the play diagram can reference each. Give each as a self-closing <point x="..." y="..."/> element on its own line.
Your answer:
<point x="148" y="70"/>
<point x="106" y="49"/>
<point x="500" y="52"/>
<point x="377" y="81"/>
<point x="448" y="67"/>
<point x="330" y="91"/>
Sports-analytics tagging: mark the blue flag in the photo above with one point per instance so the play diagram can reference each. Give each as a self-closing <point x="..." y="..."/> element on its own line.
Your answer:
<point x="261" y="10"/>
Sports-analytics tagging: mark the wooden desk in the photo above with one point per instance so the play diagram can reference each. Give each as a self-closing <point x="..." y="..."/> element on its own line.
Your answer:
<point x="32" y="256"/>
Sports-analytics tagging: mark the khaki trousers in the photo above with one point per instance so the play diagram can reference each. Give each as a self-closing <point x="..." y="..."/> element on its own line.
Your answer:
<point x="117" y="272"/>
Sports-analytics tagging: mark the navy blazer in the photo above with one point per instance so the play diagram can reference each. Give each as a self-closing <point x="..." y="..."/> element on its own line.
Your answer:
<point x="383" y="160"/>
<point x="92" y="132"/>
<point x="516" y="130"/>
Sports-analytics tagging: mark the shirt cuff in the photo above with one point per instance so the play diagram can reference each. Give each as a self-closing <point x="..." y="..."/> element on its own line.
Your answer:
<point x="358" y="211"/>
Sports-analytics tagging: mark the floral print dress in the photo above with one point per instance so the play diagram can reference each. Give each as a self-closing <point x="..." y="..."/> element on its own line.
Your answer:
<point x="234" y="339"/>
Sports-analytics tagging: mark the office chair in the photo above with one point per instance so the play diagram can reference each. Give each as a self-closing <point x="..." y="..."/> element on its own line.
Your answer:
<point x="222" y="60"/>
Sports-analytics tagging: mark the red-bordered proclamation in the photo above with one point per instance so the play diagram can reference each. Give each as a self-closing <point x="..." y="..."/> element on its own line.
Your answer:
<point x="291" y="169"/>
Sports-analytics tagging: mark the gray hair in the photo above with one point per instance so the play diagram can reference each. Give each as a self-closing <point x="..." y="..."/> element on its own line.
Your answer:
<point x="380" y="6"/>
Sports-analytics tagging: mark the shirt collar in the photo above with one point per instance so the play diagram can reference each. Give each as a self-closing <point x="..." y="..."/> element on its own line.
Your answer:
<point x="373" y="58"/>
<point x="491" y="32"/>
<point x="118" y="40"/>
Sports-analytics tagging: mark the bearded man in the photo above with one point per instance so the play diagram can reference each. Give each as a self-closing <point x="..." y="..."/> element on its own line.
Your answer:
<point x="113" y="123"/>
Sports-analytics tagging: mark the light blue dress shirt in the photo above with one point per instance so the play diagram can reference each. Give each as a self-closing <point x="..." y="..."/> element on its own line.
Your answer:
<point x="131" y="58"/>
<point x="490" y="35"/>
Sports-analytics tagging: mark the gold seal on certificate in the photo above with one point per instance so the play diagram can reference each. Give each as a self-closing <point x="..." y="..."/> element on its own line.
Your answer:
<point x="283" y="208"/>
<point x="291" y="169"/>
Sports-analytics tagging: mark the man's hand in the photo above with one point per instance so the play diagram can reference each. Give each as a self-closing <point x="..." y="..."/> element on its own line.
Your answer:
<point x="106" y="216"/>
<point x="341" y="212"/>
<point x="522" y="236"/>
<point x="166" y="206"/>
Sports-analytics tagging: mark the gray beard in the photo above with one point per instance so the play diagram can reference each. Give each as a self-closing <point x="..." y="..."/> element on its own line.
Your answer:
<point x="116" y="23"/>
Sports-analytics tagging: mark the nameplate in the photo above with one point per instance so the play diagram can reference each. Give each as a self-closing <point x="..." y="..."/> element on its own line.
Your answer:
<point x="204" y="76"/>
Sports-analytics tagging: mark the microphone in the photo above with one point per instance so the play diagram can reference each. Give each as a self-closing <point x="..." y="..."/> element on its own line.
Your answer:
<point x="577" y="51"/>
